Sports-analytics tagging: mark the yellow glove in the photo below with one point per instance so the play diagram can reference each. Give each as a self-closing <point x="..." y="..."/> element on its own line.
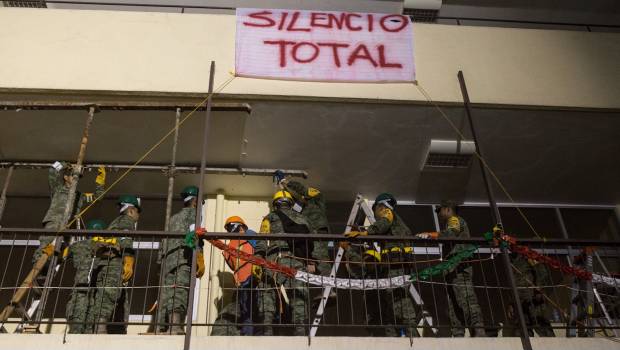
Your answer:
<point x="65" y="253"/>
<point x="48" y="250"/>
<point x="127" y="267"/>
<point x="100" y="180"/>
<point x="257" y="272"/>
<point x="200" y="264"/>
<point x="353" y="234"/>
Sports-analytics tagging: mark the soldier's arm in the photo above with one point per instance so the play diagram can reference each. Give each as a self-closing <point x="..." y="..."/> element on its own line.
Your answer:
<point x="297" y="189"/>
<point x="261" y="244"/>
<point x="453" y="228"/>
<point x="54" y="179"/>
<point x="383" y="223"/>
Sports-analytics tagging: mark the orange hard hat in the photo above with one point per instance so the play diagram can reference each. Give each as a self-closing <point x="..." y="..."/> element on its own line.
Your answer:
<point x="234" y="220"/>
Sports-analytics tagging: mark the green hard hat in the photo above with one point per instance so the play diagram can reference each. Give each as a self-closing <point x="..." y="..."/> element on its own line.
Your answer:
<point x="447" y="204"/>
<point x="129" y="199"/>
<point x="386" y="199"/>
<point x="189" y="191"/>
<point x="96" y="224"/>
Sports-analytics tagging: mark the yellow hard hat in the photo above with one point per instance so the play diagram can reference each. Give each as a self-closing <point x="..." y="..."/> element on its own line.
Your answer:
<point x="281" y="195"/>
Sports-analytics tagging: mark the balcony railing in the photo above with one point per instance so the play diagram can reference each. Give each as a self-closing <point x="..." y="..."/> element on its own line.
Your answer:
<point x="384" y="286"/>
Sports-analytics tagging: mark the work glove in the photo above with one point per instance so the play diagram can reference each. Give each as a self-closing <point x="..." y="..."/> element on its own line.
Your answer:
<point x="200" y="264"/>
<point x="428" y="235"/>
<point x="48" y="250"/>
<point x="257" y="272"/>
<point x="100" y="179"/>
<point x="65" y="253"/>
<point x="353" y="234"/>
<point x="127" y="267"/>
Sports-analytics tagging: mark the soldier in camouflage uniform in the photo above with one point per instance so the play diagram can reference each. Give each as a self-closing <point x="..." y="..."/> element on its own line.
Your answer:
<point x="529" y="273"/>
<point x="60" y="178"/>
<point x="463" y="307"/>
<point x="176" y="259"/>
<point x="81" y="297"/>
<point x="395" y="306"/>
<point x="291" y="293"/>
<point x="113" y="267"/>
<point x="315" y="212"/>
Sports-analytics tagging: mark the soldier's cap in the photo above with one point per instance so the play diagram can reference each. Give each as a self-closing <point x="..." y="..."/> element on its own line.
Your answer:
<point x="447" y="204"/>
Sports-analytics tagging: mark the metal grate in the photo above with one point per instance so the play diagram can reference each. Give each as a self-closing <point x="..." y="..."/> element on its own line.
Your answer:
<point x="437" y="160"/>
<point x="33" y="4"/>
<point x="422" y="15"/>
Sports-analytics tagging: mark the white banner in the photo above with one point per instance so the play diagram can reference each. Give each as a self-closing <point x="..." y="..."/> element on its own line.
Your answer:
<point x="324" y="46"/>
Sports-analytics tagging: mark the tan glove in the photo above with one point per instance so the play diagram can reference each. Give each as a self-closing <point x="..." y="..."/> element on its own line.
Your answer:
<point x="353" y="234"/>
<point x="257" y="272"/>
<point x="200" y="264"/>
<point x="100" y="179"/>
<point x="127" y="267"/>
<point x="428" y="235"/>
<point x="48" y="250"/>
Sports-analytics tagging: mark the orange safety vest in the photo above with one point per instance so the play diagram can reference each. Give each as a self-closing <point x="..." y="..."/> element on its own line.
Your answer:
<point x="242" y="269"/>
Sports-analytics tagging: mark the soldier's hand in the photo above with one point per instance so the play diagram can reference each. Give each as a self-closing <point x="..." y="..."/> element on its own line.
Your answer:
<point x="353" y="234"/>
<point x="257" y="272"/>
<point x="311" y="268"/>
<point x="200" y="264"/>
<point x="344" y="245"/>
<point x="65" y="253"/>
<point x="127" y="267"/>
<point x="49" y="249"/>
<point x="279" y="177"/>
<point x="100" y="179"/>
<point x="428" y="235"/>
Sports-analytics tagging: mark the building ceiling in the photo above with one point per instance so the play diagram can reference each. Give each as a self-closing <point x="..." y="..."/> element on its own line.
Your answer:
<point x="540" y="156"/>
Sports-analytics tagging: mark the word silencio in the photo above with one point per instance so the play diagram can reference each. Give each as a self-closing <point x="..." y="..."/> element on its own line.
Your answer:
<point x="324" y="46"/>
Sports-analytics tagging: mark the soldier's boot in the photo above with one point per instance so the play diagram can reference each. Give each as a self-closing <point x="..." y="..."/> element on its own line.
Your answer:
<point x="479" y="332"/>
<point x="176" y="327"/>
<point x="102" y="327"/>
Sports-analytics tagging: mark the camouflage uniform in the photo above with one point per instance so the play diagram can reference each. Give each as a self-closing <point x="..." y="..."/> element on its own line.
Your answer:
<point x="81" y="297"/>
<point x="315" y="212"/>
<point x="394" y="306"/>
<point x="107" y="273"/>
<point x="281" y="251"/>
<point x="463" y="307"/>
<point x="59" y="196"/>
<point x="176" y="259"/>
<point x="532" y="301"/>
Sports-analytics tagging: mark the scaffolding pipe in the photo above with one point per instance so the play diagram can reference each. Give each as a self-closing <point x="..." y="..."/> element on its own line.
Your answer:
<point x="199" y="210"/>
<point x="188" y="169"/>
<point x="76" y="172"/>
<point x="5" y="188"/>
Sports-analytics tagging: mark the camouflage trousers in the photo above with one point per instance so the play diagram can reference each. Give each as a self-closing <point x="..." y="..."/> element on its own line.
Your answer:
<point x="535" y="319"/>
<point x="81" y="296"/>
<point x="110" y="302"/>
<point x="276" y="307"/>
<point x="174" y="296"/>
<point x="463" y="307"/>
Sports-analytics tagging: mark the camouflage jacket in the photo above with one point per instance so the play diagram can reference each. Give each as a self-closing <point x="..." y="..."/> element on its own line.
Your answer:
<point x="314" y="210"/>
<point x="124" y="223"/>
<point x="272" y="224"/>
<point x="390" y="224"/>
<point x="529" y="275"/>
<point x="175" y="250"/>
<point x="455" y="227"/>
<point x="60" y="195"/>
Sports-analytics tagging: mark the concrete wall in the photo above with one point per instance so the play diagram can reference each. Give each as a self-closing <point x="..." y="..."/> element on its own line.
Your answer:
<point x="164" y="52"/>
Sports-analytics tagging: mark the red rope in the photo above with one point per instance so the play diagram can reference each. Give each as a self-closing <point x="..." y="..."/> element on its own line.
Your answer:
<point x="289" y="271"/>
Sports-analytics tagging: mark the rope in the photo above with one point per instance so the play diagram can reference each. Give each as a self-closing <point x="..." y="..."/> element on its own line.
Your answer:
<point x="147" y="153"/>
<point x="482" y="160"/>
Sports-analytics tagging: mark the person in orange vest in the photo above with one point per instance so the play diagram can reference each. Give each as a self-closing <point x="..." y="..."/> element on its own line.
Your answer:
<point x="237" y="318"/>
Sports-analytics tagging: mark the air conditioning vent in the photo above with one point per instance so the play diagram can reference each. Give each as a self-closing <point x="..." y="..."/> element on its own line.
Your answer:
<point x="33" y="4"/>
<point x="420" y="15"/>
<point x="449" y="154"/>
